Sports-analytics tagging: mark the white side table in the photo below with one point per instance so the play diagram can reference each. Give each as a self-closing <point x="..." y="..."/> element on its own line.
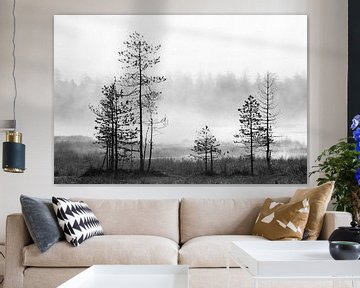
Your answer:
<point x="287" y="261"/>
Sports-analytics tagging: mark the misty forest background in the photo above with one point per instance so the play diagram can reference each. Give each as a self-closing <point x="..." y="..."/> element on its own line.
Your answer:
<point x="130" y="115"/>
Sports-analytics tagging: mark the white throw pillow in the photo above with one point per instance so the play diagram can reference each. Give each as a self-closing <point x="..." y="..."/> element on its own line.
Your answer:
<point x="76" y="220"/>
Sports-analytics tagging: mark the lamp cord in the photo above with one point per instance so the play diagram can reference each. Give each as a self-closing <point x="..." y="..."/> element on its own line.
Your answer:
<point x="14" y="59"/>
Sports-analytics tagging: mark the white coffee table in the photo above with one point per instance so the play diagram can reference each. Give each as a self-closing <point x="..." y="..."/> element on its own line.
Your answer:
<point x="292" y="260"/>
<point x="131" y="276"/>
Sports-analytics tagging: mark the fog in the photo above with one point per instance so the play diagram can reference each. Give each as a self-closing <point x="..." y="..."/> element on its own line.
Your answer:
<point x="189" y="105"/>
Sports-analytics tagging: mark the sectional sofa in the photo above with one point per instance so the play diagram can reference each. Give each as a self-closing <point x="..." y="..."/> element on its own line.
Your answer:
<point x="194" y="232"/>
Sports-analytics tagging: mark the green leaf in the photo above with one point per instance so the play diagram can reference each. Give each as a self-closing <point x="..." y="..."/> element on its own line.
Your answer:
<point x="339" y="163"/>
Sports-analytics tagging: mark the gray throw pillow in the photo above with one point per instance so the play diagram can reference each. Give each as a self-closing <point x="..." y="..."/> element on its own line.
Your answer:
<point x="41" y="221"/>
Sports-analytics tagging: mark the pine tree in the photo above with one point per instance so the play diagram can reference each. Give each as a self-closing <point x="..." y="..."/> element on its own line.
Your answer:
<point x="114" y="125"/>
<point x="206" y="148"/>
<point x="137" y="60"/>
<point x="250" y="131"/>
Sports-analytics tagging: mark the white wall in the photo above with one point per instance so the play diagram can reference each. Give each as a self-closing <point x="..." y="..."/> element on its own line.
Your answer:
<point x="327" y="89"/>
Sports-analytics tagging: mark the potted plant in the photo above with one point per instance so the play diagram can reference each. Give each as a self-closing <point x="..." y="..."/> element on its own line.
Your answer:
<point x="341" y="163"/>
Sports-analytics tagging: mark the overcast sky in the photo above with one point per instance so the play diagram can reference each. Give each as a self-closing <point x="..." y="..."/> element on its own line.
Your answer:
<point x="190" y="43"/>
<point x="198" y="46"/>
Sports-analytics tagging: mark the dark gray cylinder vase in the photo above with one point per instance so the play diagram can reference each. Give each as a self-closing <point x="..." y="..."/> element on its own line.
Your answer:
<point x="344" y="250"/>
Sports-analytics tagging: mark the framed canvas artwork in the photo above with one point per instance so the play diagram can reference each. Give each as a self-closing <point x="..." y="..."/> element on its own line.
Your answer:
<point x="180" y="99"/>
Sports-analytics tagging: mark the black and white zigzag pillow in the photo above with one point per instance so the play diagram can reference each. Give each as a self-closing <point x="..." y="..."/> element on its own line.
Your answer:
<point x="77" y="220"/>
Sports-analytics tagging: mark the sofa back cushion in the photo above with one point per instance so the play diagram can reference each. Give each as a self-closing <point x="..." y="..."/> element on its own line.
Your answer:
<point x="158" y="217"/>
<point x="200" y="217"/>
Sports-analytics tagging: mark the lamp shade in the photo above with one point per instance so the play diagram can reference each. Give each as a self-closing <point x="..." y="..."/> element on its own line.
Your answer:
<point x="13" y="153"/>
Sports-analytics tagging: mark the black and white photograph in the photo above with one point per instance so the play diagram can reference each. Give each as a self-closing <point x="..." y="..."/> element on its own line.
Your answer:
<point x="180" y="99"/>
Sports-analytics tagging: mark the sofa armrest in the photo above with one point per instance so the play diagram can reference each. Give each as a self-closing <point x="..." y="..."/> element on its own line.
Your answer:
<point x="333" y="220"/>
<point x="17" y="237"/>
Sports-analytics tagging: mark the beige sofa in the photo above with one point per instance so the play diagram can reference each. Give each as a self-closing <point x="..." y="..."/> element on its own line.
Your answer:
<point x="194" y="232"/>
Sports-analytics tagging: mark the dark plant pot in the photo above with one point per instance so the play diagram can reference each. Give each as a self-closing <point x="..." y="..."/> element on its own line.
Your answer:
<point x="343" y="250"/>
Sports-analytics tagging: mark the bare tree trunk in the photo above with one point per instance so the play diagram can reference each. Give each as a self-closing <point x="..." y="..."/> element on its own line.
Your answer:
<point x="116" y="151"/>
<point x="112" y="141"/>
<point x="131" y="157"/>
<point x="151" y="143"/>
<point x="116" y="138"/>
<point x="251" y="148"/>
<point x="141" y="116"/>
<point x="206" y="161"/>
<point x="107" y="156"/>
<point x="145" y="142"/>
<point x="267" y="121"/>
<point x="211" y="161"/>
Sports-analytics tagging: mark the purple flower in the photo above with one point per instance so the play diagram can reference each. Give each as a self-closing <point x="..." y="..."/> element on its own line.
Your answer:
<point x="356" y="134"/>
<point x="355" y="126"/>
<point x="355" y="122"/>
<point x="357" y="176"/>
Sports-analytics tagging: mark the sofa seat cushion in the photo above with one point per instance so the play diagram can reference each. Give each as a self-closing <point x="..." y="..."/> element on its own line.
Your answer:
<point x="211" y="251"/>
<point x="206" y="217"/>
<point x="107" y="249"/>
<point x="158" y="217"/>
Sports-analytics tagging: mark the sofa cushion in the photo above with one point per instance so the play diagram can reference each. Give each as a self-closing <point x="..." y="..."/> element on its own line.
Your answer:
<point x="77" y="220"/>
<point x="319" y="198"/>
<point x="41" y="221"/>
<point x="200" y="217"/>
<point x="211" y="251"/>
<point x="107" y="249"/>
<point x="158" y="217"/>
<point x="279" y="221"/>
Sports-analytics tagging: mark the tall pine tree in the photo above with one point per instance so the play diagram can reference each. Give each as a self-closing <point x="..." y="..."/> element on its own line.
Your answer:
<point x="250" y="131"/>
<point x="137" y="59"/>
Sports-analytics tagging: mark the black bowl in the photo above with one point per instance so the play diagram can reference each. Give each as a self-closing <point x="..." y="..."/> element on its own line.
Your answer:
<point x="344" y="250"/>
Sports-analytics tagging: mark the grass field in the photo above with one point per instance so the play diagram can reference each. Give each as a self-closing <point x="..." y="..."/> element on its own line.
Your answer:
<point x="76" y="165"/>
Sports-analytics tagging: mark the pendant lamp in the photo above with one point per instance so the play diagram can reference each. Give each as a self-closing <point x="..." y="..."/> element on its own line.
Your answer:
<point x="13" y="160"/>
